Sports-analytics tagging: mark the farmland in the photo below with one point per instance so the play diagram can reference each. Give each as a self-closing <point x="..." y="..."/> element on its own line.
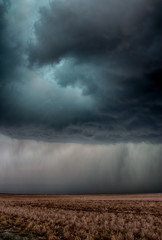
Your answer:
<point x="88" y="217"/>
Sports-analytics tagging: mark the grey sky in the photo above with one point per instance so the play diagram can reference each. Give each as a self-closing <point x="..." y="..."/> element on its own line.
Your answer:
<point x="81" y="70"/>
<point x="80" y="95"/>
<point x="29" y="166"/>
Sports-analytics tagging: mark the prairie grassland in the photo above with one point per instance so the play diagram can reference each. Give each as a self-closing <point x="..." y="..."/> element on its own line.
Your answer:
<point x="80" y="218"/>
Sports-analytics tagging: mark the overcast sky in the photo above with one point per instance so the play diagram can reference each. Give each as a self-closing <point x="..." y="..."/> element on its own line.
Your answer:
<point x="80" y="96"/>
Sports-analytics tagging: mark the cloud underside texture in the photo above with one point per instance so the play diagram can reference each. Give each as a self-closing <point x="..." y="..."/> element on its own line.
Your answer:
<point x="110" y="50"/>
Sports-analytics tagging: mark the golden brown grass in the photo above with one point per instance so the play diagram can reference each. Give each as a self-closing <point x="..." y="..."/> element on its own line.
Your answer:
<point x="82" y="219"/>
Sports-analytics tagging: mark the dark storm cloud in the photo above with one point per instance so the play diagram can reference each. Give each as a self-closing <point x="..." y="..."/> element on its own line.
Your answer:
<point x="10" y="60"/>
<point x="128" y="31"/>
<point x="110" y="50"/>
<point x="117" y="56"/>
<point x="10" y="47"/>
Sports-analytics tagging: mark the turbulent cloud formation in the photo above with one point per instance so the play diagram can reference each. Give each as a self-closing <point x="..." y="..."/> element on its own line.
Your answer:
<point x="81" y="70"/>
<point x="75" y="72"/>
<point x="28" y="166"/>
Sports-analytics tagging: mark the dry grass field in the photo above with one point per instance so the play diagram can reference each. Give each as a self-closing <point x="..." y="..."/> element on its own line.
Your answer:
<point x="87" y="217"/>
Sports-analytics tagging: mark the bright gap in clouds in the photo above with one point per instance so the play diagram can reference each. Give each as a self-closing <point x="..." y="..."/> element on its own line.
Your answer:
<point x="40" y="95"/>
<point x="28" y="166"/>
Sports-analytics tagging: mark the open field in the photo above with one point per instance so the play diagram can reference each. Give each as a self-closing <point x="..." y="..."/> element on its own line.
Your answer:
<point x="77" y="217"/>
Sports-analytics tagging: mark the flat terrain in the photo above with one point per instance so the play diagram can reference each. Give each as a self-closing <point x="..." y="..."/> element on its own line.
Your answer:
<point x="143" y="197"/>
<point x="77" y="217"/>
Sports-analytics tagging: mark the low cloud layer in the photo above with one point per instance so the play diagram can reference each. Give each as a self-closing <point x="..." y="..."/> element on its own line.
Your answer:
<point x="37" y="167"/>
<point x="81" y="70"/>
